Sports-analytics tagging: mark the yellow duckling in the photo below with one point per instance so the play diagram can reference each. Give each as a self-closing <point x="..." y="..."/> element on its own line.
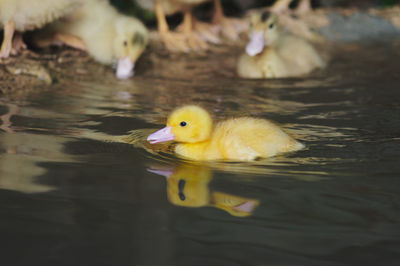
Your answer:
<point x="271" y="53"/>
<point x="23" y="15"/>
<point x="301" y="20"/>
<point x="107" y="35"/>
<point x="238" y="139"/>
<point x="188" y="186"/>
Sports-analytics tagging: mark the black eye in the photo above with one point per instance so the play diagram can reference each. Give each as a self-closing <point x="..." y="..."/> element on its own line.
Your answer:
<point x="182" y="124"/>
<point x="125" y="43"/>
<point x="181" y="187"/>
<point x="271" y="25"/>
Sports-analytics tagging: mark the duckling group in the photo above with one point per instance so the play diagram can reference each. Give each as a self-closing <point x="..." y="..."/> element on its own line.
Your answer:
<point x="111" y="37"/>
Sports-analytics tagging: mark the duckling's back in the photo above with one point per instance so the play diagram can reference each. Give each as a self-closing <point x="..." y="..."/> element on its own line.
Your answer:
<point x="94" y="24"/>
<point x="31" y="14"/>
<point x="248" y="138"/>
<point x="300" y="56"/>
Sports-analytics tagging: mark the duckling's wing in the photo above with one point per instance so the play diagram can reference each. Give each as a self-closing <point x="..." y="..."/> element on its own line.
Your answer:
<point x="238" y="148"/>
<point x="233" y="142"/>
<point x="35" y="14"/>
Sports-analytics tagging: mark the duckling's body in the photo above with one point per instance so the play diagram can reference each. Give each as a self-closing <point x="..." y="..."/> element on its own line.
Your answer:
<point x="22" y="15"/>
<point x="108" y="36"/>
<point x="238" y="139"/>
<point x="302" y="20"/>
<point x="32" y="14"/>
<point x="267" y="64"/>
<point x="272" y="53"/>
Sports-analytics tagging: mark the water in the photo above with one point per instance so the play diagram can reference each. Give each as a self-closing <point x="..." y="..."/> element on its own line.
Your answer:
<point x="74" y="192"/>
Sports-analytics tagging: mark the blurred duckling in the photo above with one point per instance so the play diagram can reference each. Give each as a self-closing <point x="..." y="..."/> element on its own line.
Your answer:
<point x="300" y="21"/>
<point x="237" y="139"/>
<point x="193" y="34"/>
<point x="282" y="6"/>
<point x="23" y="15"/>
<point x="188" y="186"/>
<point x="272" y="53"/>
<point x="183" y="41"/>
<point x="108" y="36"/>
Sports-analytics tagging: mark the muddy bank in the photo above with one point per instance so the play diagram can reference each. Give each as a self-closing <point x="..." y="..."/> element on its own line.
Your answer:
<point x="34" y="71"/>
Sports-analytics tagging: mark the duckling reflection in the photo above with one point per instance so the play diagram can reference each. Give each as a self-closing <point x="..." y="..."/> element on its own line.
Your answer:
<point x="188" y="186"/>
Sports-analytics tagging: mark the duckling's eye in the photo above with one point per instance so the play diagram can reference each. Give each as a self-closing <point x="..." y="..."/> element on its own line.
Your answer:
<point x="181" y="187"/>
<point x="271" y="25"/>
<point x="125" y="43"/>
<point x="182" y="124"/>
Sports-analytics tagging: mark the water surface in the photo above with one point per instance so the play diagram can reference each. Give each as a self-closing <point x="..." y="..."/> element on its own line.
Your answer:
<point x="74" y="192"/>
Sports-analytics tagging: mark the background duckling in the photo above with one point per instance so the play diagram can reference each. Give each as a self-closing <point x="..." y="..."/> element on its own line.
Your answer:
<point x="238" y="139"/>
<point x="193" y="34"/>
<point x="23" y="15"/>
<point x="272" y="53"/>
<point x="176" y="41"/>
<point x="107" y="35"/>
<point x="282" y="6"/>
<point x="304" y="19"/>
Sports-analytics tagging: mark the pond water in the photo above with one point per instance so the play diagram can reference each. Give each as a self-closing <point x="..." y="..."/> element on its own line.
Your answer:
<point x="79" y="185"/>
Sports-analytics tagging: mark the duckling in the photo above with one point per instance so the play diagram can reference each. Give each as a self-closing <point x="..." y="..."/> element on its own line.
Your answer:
<point x="228" y="27"/>
<point x="188" y="186"/>
<point x="282" y="6"/>
<point x="304" y="18"/>
<point x="237" y="139"/>
<point x="107" y="35"/>
<point x="193" y="34"/>
<point x="271" y="53"/>
<point x="176" y="41"/>
<point x="23" y="15"/>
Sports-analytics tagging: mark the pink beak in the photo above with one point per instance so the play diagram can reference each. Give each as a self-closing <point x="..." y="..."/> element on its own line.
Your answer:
<point x="164" y="172"/>
<point x="256" y="44"/>
<point x="125" y="68"/>
<point x="161" y="135"/>
<point x="248" y="206"/>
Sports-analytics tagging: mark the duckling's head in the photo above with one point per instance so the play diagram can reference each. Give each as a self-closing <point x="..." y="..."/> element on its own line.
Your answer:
<point x="264" y="31"/>
<point x="188" y="186"/>
<point x="188" y="124"/>
<point x="129" y="43"/>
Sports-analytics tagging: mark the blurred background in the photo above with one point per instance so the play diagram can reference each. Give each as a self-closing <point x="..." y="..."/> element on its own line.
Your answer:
<point x="238" y="7"/>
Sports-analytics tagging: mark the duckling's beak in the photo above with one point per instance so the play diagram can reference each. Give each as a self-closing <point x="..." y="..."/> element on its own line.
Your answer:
<point x="256" y="44"/>
<point x="125" y="68"/>
<point x="161" y="135"/>
<point x="247" y="206"/>
<point x="164" y="172"/>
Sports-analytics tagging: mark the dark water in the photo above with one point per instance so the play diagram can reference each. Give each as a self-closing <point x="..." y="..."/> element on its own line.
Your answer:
<point x="73" y="192"/>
